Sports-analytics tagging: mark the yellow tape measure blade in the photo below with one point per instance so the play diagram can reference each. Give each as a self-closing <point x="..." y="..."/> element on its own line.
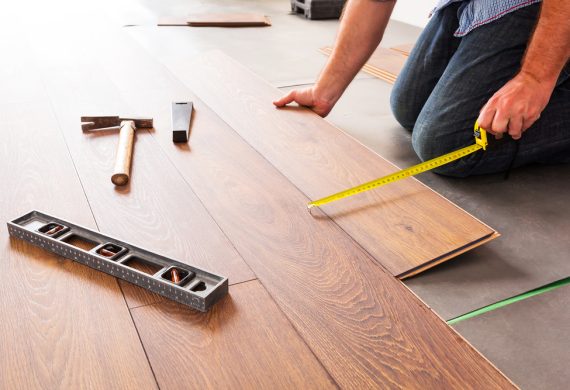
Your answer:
<point x="396" y="176"/>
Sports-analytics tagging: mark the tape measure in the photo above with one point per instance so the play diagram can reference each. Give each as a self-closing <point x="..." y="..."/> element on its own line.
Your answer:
<point x="480" y="144"/>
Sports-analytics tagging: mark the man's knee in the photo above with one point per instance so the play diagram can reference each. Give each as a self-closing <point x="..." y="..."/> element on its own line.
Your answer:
<point x="403" y="113"/>
<point x="431" y="138"/>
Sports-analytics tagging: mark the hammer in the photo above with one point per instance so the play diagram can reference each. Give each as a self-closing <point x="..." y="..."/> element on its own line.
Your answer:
<point x="126" y="127"/>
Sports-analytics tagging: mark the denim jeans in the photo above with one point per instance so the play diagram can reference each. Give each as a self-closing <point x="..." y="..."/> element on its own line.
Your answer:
<point x="447" y="80"/>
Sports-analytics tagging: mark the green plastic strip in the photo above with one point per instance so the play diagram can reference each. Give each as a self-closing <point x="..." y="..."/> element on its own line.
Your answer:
<point x="508" y="301"/>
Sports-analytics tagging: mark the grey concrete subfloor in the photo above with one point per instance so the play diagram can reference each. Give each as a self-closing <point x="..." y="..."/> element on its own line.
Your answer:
<point x="527" y="340"/>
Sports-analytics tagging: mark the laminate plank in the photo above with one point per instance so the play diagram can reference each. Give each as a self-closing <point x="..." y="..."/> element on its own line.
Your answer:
<point x="243" y="342"/>
<point x="363" y="325"/>
<point x="63" y="325"/>
<point x="405" y="226"/>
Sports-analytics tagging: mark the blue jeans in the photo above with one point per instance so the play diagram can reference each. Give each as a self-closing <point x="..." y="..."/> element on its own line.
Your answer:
<point x="447" y="80"/>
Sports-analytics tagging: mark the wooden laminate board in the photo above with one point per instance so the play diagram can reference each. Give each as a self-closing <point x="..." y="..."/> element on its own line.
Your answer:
<point x="243" y="342"/>
<point x="63" y="325"/>
<point x="405" y="226"/>
<point x="217" y="20"/>
<point x="365" y="326"/>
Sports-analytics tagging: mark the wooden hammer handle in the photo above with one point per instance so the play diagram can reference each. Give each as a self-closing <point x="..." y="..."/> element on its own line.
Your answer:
<point x="122" y="169"/>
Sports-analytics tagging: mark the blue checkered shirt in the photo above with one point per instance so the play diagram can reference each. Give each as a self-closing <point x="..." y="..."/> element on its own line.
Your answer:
<point x="479" y="12"/>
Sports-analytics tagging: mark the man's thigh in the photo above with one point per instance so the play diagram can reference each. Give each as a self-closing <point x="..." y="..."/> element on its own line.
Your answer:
<point x="485" y="60"/>
<point x="425" y="65"/>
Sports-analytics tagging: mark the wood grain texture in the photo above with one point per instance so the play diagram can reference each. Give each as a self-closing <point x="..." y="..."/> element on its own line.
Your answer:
<point x="63" y="325"/>
<point x="243" y="342"/>
<point x="365" y="326"/>
<point x="405" y="226"/>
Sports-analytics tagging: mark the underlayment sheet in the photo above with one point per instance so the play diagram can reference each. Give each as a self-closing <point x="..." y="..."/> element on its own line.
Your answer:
<point x="530" y="210"/>
<point x="527" y="340"/>
<point x="284" y="54"/>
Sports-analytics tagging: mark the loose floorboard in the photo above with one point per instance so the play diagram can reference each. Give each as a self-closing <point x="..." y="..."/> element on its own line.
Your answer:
<point x="63" y="325"/>
<point x="530" y="252"/>
<point x="423" y="228"/>
<point x="527" y="339"/>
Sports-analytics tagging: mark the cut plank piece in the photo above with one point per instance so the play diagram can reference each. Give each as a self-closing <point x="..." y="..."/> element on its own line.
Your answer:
<point x="218" y="20"/>
<point x="63" y="325"/>
<point x="243" y="342"/>
<point x="405" y="226"/>
<point x="385" y="64"/>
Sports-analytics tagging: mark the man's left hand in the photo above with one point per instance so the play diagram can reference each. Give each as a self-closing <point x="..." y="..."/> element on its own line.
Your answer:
<point x="516" y="106"/>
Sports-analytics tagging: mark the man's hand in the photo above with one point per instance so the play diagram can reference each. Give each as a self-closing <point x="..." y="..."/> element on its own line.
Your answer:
<point x="307" y="97"/>
<point x="515" y="107"/>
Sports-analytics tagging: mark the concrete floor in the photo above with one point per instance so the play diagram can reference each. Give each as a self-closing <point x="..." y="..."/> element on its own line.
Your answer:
<point x="529" y="209"/>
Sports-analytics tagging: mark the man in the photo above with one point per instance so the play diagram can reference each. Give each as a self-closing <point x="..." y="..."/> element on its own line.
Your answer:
<point x="501" y="62"/>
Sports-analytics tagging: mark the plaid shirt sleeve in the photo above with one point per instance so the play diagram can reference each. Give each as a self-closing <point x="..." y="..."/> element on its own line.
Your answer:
<point x="476" y="13"/>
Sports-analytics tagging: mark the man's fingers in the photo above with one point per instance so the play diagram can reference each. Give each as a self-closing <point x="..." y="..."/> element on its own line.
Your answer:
<point x="286" y="99"/>
<point x="486" y="117"/>
<point x="515" y="127"/>
<point x="500" y="122"/>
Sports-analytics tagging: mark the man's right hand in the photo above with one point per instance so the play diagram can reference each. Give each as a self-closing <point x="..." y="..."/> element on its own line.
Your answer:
<point x="307" y="97"/>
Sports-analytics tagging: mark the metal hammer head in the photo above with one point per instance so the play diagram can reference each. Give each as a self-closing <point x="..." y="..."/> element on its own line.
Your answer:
<point x="95" y="123"/>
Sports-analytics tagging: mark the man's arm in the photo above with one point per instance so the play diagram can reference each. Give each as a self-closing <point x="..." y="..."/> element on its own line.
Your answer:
<point x="518" y="104"/>
<point x="361" y="30"/>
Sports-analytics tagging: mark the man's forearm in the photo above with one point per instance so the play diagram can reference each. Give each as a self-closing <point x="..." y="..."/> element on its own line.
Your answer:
<point x="361" y="30"/>
<point x="549" y="48"/>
